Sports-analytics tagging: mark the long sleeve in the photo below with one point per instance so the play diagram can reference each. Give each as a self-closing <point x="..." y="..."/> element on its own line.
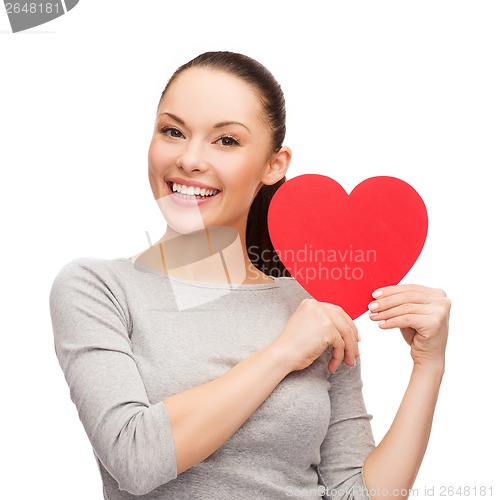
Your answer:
<point x="92" y="331"/>
<point x="349" y="439"/>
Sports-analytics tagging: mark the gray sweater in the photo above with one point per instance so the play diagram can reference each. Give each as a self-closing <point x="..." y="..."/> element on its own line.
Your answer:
<point x="124" y="345"/>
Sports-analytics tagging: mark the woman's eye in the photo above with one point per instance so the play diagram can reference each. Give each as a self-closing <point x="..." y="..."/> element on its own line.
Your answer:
<point x="227" y="141"/>
<point x="172" y="132"/>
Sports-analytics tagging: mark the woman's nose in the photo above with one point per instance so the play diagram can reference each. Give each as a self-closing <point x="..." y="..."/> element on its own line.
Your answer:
<point x="192" y="158"/>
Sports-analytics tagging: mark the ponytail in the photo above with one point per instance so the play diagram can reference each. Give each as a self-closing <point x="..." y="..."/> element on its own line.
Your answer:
<point x="258" y="244"/>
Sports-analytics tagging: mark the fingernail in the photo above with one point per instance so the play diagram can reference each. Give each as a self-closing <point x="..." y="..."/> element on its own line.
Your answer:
<point x="372" y="315"/>
<point x="373" y="306"/>
<point x="381" y="322"/>
<point x="377" y="294"/>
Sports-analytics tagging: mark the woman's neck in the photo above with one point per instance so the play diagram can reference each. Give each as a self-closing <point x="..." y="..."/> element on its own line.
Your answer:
<point x="215" y="254"/>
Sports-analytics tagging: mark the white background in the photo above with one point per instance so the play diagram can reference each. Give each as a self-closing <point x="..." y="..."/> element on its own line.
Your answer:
<point x="373" y="88"/>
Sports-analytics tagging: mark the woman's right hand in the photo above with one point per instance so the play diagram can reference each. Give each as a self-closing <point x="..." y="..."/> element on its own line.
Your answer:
<point x="312" y="328"/>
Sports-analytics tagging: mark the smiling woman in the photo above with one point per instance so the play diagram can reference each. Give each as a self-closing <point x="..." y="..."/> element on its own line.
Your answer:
<point x="218" y="143"/>
<point x="230" y="144"/>
<point x="198" y="375"/>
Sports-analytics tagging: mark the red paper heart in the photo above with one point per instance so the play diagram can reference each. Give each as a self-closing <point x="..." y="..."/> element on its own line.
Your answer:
<point x="342" y="247"/>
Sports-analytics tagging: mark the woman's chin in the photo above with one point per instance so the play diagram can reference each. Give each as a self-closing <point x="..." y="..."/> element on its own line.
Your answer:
<point x="183" y="220"/>
<point x="184" y="227"/>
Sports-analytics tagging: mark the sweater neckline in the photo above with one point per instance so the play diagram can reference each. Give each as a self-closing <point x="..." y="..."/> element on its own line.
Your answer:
<point x="203" y="284"/>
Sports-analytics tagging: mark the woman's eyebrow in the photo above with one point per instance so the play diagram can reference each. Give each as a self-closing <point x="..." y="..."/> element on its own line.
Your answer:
<point x="223" y="124"/>
<point x="174" y="117"/>
<point x="217" y="125"/>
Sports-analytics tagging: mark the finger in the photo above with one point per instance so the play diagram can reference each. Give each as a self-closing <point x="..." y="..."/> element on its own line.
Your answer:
<point x="416" y="321"/>
<point x="339" y="314"/>
<point x="337" y="353"/>
<point x="386" y="291"/>
<point x="336" y="310"/>
<point x="349" y="333"/>
<point x="401" y="310"/>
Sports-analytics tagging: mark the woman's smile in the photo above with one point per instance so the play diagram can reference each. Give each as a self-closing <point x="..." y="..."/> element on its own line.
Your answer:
<point x="190" y="193"/>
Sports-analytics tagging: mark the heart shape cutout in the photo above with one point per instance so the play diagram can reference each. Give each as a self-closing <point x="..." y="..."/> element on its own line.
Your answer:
<point x="342" y="247"/>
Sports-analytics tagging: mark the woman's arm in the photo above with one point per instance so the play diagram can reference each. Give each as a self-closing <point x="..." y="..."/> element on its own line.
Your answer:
<point x="205" y="417"/>
<point x="144" y="445"/>
<point x="422" y="315"/>
<point x="392" y="467"/>
<point x="91" y="327"/>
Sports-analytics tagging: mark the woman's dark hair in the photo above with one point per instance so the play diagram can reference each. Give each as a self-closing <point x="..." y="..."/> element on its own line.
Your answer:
<point x="258" y="244"/>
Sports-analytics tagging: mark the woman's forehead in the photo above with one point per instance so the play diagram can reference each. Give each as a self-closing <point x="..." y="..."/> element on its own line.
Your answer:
<point x="212" y="91"/>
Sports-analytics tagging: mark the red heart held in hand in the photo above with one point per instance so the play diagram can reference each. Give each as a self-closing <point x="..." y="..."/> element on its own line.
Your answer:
<point x="342" y="247"/>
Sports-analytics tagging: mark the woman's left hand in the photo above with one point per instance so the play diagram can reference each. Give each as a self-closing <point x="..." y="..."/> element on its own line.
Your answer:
<point x="421" y="314"/>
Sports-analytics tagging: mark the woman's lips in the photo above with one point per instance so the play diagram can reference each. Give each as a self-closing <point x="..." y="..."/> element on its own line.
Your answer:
<point x="189" y="183"/>
<point x="187" y="200"/>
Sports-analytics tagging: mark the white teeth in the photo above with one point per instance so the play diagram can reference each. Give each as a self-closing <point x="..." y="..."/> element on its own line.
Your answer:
<point x="192" y="190"/>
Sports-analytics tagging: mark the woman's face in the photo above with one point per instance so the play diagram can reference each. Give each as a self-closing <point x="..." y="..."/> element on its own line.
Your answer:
<point x="210" y="151"/>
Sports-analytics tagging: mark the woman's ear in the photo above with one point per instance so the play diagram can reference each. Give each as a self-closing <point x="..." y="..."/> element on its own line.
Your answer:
<point x="277" y="167"/>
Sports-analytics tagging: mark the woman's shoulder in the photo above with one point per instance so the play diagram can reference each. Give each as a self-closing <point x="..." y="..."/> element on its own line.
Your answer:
<point x="291" y="286"/>
<point x="289" y="281"/>
<point x="90" y="269"/>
